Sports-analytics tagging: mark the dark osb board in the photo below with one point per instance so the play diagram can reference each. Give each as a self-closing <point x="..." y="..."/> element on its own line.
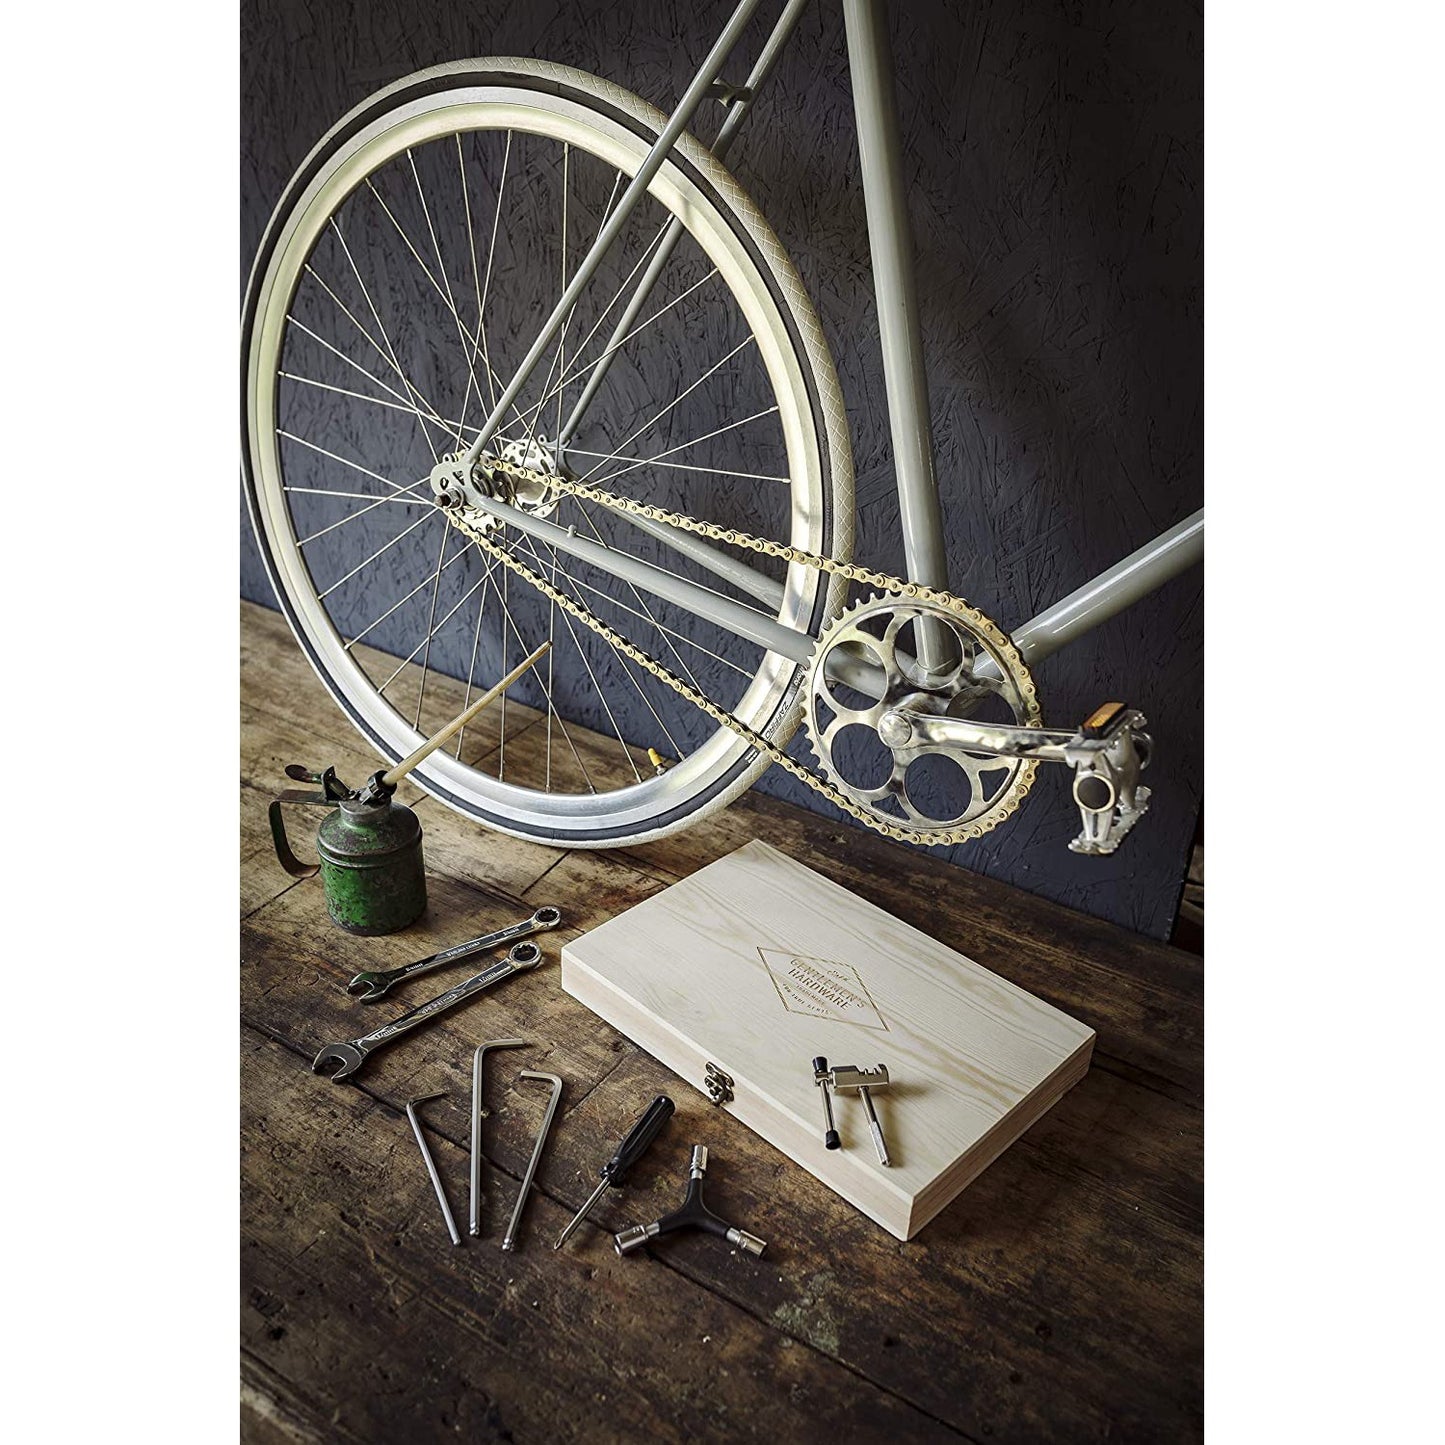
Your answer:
<point x="1054" y="160"/>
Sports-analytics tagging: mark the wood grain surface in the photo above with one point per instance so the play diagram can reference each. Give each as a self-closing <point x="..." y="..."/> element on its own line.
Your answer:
<point x="757" y="964"/>
<point x="1059" y="1298"/>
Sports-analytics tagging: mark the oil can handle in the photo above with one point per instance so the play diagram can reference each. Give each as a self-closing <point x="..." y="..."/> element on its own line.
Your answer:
<point x="333" y="791"/>
<point x="289" y="861"/>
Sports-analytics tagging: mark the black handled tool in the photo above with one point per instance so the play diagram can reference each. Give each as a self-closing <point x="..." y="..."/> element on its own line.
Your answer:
<point x="823" y="1078"/>
<point x="691" y="1214"/>
<point x="615" y="1171"/>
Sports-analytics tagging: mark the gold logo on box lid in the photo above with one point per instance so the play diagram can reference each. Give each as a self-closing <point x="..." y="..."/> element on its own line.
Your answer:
<point x="821" y="988"/>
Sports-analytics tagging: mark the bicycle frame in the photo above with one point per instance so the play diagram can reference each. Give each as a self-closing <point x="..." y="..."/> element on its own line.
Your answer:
<point x="910" y="425"/>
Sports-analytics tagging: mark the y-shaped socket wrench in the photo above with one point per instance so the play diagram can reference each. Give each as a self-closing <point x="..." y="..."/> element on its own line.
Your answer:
<point x="693" y="1214"/>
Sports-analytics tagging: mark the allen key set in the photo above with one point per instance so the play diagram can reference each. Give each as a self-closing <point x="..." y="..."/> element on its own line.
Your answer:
<point x="345" y="1058"/>
<point x="374" y="881"/>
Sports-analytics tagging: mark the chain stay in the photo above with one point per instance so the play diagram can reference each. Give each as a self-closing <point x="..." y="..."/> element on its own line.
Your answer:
<point x="997" y="640"/>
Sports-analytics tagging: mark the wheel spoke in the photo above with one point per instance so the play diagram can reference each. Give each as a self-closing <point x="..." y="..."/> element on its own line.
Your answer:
<point x="592" y="366"/>
<point x="395" y="605"/>
<point x="354" y="365"/>
<point x="558" y="569"/>
<point x="361" y="396"/>
<point x="634" y="463"/>
<point x="385" y="336"/>
<point x="353" y="378"/>
<point x="526" y="647"/>
<point x="681" y="396"/>
<point x="409" y="500"/>
<point x="597" y="686"/>
<point x="360" y="512"/>
<point x="426" y="641"/>
<point x="486" y="284"/>
<point x="431" y="626"/>
<point x="380" y="551"/>
<point x="409" y="488"/>
<point x="687" y="467"/>
<point x="661" y="630"/>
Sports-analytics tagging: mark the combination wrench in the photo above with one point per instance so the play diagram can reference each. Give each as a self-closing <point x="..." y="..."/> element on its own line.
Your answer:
<point x="350" y="1056"/>
<point x="369" y="987"/>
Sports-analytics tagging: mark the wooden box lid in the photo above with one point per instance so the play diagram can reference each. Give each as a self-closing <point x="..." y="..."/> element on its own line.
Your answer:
<point x="756" y="964"/>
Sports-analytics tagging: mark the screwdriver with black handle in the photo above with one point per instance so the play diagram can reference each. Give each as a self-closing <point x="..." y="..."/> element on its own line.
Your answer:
<point x="615" y="1171"/>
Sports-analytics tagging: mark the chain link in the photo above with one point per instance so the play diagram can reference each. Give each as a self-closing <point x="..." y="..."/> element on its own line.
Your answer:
<point x="996" y="640"/>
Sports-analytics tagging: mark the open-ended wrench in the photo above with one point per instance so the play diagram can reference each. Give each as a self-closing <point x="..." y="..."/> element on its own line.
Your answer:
<point x="350" y="1056"/>
<point x="369" y="987"/>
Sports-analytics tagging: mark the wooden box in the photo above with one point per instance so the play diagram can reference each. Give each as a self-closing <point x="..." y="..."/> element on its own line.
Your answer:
<point x="756" y="964"/>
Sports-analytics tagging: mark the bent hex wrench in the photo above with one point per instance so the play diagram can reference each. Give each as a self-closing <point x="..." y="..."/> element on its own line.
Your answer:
<point x="350" y="1056"/>
<point x="369" y="987"/>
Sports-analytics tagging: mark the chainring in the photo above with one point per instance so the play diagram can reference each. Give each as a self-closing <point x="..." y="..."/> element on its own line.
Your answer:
<point x="865" y="664"/>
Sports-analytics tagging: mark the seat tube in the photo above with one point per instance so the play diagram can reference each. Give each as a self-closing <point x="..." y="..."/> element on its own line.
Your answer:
<point x="890" y="241"/>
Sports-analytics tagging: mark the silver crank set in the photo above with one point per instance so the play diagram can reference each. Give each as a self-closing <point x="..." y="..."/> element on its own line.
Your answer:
<point x="866" y="682"/>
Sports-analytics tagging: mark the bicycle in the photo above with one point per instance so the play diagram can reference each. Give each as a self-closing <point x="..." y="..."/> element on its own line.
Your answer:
<point x="450" y="303"/>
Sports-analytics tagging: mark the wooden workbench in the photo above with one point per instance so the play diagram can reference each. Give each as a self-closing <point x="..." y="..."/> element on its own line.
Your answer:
<point x="1059" y="1298"/>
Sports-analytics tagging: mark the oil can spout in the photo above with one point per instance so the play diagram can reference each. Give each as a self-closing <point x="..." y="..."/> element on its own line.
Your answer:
<point x="370" y="846"/>
<point x="389" y="779"/>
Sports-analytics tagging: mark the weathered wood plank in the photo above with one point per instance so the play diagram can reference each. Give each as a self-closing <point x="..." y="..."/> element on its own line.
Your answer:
<point x="1104" y="1188"/>
<point x="1058" y="1298"/>
<point x="352" y="1287"/>
<point x="1038" y="1306"/>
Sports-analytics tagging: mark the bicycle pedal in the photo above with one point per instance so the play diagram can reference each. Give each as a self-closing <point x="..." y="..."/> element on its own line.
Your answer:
<point x="1107" y="754"/>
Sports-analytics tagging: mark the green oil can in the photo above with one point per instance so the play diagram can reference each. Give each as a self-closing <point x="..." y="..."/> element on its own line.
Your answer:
<point x="370" y="853"/>
<point x="370" y="845"/>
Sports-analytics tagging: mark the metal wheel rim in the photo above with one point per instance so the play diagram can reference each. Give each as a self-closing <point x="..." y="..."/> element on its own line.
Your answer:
<point x="772" y="702"/>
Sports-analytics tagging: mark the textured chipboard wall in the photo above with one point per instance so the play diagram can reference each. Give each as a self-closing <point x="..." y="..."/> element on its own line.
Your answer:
<point x="1054" y="159"/>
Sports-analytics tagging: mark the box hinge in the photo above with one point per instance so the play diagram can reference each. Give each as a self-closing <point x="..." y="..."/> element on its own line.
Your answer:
<point x="719" y="1085"/>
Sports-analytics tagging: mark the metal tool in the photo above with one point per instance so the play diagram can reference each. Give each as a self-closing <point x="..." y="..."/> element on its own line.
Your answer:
<point x="474" y="1204"/>
<point x="350" y="1056"/>
<point x="370" y="845"/>
<point x="851" y="1079"/>
<point x="615" y="1171"/>
<point x="692" y="1214"/>
<point x="821" y="1079"/>
<point x="369" y="987"/>
<point x="509" y="1239"/>
<point x="431" y="1168"/>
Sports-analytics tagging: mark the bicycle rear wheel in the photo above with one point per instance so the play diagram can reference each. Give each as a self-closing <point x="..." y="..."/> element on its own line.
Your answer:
<point x="413" y="257"/>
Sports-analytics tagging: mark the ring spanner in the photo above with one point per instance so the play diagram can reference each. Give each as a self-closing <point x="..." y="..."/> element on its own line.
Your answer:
<point x="351" y="1055"/>
<point x="369" y="987"/>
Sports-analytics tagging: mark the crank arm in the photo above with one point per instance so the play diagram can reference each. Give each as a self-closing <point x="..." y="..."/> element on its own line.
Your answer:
<point x="903" y="727"/>
<point x="351" y="1055"/>
<point x="369" y="987"/>
<point x="1107" y="754"/>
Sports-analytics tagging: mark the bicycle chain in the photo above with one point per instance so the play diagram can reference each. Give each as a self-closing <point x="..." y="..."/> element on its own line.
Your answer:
<point x="1006" y="654"/>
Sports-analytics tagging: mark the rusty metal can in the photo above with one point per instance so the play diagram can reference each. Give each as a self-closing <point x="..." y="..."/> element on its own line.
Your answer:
<point x="371" y="866"/>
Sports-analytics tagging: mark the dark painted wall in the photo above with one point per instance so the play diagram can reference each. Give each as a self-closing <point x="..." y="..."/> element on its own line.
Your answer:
<point x="1055" y="156"/>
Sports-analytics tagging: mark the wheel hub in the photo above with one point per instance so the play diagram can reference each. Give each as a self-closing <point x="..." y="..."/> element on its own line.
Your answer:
<point x="455" y="485"/>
